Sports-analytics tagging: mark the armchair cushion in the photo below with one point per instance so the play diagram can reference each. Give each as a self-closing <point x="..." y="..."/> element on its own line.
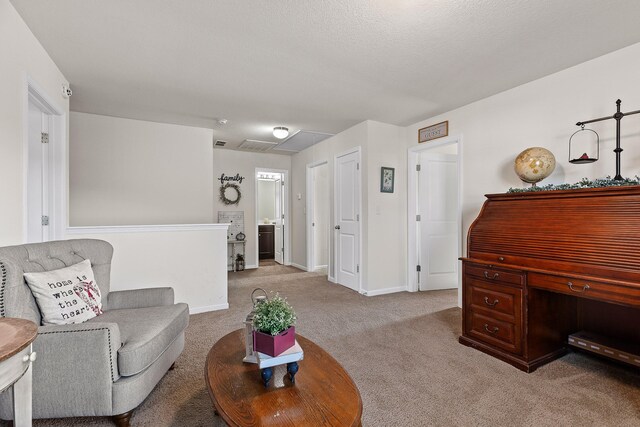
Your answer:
<point x="145" y="333"/>
<point x="139" y="298"/>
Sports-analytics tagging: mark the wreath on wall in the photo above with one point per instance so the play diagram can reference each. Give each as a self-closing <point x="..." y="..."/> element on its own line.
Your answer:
<point x="230" y="194"/>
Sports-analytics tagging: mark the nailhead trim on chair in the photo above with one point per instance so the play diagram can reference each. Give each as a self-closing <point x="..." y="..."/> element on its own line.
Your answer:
<point x="87" y="330"/>
<point x="3" y="271"/>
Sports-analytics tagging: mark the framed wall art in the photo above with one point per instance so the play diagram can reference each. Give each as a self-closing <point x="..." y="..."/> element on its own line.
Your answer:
<point x="387" y="179"/>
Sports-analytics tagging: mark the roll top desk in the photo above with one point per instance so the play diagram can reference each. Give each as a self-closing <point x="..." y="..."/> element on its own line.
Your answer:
<point x="544" y="269"/>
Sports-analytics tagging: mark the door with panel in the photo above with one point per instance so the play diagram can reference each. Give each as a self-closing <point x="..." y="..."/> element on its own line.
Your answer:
<point x="347" y="193"/>
<point x="37" y="173"/>
<point x="437" y="228"/>
<point x="279" y="225"/>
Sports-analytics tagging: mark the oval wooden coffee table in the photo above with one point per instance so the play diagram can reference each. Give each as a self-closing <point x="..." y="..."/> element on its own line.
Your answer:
<point x="324" y="394"/>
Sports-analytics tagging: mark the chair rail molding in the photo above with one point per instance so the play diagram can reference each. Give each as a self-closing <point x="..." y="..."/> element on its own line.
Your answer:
<point x="144" y="228"/>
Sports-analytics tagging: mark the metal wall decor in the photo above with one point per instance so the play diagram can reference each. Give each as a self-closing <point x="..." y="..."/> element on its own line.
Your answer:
<point x="230" y="194"/>
<point x="617" y="116"/>
<point x="584" y="148"/>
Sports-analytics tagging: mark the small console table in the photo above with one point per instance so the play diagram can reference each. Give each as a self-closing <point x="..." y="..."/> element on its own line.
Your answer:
<point x="551" y="270"/>
<point x="16" y="356"/>
<point x="233" y="251"/>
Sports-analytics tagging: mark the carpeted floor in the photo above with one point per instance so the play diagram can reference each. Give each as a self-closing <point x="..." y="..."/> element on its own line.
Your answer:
<point x="402" y="351"/>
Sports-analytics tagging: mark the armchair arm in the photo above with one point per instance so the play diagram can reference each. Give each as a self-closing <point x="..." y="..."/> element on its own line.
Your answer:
<point x="139" y="298"/>
<point x="75" y="368"/>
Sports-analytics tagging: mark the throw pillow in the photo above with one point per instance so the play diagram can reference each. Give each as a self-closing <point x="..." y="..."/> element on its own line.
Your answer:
<point x="67" y="295"/>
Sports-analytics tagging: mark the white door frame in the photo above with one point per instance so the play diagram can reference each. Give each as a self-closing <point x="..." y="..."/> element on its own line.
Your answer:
<point x="311" y="265"/>
<point x="412" y="209"/>
<point x="34" y="93"/>
<point x="286" y="209"/>
<point x="335" y="245"/>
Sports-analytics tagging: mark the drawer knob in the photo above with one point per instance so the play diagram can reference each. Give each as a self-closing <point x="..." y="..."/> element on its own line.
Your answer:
<point x="486" y="275"/>
<point x="490" y="304"/>
<point x="584" y="288"/>
<point x="491" y="331"/>
<point x="501" y="258"/>
<point x="29" y="357"/>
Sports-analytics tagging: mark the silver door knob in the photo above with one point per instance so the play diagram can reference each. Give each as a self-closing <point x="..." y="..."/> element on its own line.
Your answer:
<point x="337" y="227"/>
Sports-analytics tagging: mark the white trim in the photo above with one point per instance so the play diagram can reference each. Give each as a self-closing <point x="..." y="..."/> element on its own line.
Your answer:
<point x="250" y="267"/>
<point x="412" y="208"/>
<point x="105" y="229"/>
<point x="385" y="291"/>
<point x="207" y="308"/>
<point x="332" y="279"/>
<point x="287" y="211"/>
<point x="358" y="150"/>
<point x="299" y="267"/>
<point x="310" y="214"/>
<point x="58" y="170"/>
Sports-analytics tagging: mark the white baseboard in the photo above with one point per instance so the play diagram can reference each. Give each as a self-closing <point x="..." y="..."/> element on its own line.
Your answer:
<point x="384" y="291"/>
<point x="299" y="267"/>
<point x="332" y="279"/>
<point x="250" y="267"/>
<point x="207" y="308"/>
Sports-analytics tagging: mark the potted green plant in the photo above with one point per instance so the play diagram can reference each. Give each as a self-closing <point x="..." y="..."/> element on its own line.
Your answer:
<point x="274" y="322"/>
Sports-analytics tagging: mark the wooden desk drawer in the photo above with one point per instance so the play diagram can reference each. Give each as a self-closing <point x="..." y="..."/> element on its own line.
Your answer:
<point x="495" y="274"/>
<point x="11" y="369"/>
<point x="494" y="299"/>
<point x="495" y="332"/>
<point x="586" y="288"/>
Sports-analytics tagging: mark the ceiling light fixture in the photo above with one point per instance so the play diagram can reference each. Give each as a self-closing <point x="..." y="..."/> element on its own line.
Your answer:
<point x="280" y="132"/>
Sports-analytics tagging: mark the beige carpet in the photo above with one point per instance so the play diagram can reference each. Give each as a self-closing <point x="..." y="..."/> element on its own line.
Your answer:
<point x="403" y="354"/>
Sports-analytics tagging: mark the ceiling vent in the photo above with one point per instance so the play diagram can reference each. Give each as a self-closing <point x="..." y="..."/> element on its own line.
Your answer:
<point x="219" y="143"/>
<point x="257" y="146"/>
<point x="301" y="140"/>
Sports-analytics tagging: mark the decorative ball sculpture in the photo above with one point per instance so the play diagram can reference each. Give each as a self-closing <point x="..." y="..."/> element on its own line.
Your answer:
<point x="534" y="164"/>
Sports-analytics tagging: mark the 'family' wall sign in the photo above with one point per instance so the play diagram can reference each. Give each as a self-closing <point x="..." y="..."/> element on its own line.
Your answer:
<point x="230" y="191"/>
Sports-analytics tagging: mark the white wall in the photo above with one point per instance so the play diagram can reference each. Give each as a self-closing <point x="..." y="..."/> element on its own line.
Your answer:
<point x="543" y="113"/>
<point x="383" y="215"/>
<point x="266" y="200"/>
<point x="231" y="162"/>
<point x="184" y="257"/>
<point x="355" y="136"/>
<point x="133" y="172"/>
<point x="21" y="55"/>
<point x="387" y="211"/>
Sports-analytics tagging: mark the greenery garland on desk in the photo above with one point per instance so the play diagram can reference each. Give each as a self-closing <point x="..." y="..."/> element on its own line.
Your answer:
<point x="583" y="183"/>
<point x="223" y="196"/>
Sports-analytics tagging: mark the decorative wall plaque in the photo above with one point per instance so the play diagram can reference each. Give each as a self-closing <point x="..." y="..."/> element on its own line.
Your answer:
<point x="433" y="132"/>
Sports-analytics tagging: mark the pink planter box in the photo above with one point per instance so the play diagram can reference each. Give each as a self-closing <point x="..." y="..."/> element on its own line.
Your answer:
<point x="274" y="345"/>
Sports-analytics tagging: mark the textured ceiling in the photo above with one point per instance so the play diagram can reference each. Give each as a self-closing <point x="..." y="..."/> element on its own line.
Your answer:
<point x="309" y="64"/>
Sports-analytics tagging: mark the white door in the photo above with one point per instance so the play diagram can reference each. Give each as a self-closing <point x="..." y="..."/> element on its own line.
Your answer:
<point x="37" y="175"/>
<point x="437" y="228"/>
<point x="279" y="226"/>
<point x="320" y="217"/>
<point x="347" y="200"/>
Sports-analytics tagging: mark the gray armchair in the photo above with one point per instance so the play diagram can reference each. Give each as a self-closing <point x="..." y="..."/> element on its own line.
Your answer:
<point x="106" y="366"/>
